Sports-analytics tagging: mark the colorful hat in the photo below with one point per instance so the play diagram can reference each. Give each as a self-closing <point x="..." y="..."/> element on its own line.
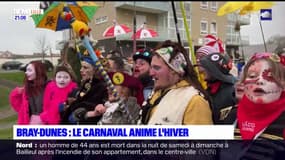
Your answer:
<point x="87" y="58"/>
<point x="178" y="63"/>
<point x="145" y="54"/>
<point x="218" y="66"/>
<point x="121" y="78"/>
<point x="204" y="51"/>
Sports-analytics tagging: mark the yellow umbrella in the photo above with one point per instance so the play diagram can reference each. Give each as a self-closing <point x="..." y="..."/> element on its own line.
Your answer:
<point x="255" y="6"/>
<point x="243" y="7"/>
<point x="230" y="7"/>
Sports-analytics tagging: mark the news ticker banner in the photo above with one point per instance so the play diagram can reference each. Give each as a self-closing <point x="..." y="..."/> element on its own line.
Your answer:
<point x="132" y="132"/>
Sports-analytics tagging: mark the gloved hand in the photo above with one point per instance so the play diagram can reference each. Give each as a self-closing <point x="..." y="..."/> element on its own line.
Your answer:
<point x="35" y="120"/>
<point x="79" y="114"/>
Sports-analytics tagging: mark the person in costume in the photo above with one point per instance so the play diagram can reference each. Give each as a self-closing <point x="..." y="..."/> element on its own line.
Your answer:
<point x="261" y="111"/>
<point x="56" y="92"/>
<point x="142" y="60"/>
<point x="92" y="91"/>
<point x="262" y="108"/>
<point x="125" y="109"/>
<point x="204" y="51"/>
<point x="27" y="101"/>
<point x="220" y="86"/>
<point x="178" y="96"/>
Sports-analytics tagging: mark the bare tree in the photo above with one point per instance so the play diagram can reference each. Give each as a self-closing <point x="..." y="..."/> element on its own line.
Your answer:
<point x="279" y="41"/>
<point x="43" y="45"/>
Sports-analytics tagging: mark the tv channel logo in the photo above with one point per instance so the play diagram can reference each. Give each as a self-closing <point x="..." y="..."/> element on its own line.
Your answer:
<point x="22" y="14"/>
<point x="266" y="14"/>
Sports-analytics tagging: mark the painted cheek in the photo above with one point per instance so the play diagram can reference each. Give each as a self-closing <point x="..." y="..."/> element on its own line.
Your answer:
<point x="266" y="74"/>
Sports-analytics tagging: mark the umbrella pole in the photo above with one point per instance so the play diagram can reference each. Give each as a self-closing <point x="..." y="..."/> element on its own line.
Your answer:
<point x="175" y="20"/>
<point x="263" y="36"/>
<point x="121" y="49"/>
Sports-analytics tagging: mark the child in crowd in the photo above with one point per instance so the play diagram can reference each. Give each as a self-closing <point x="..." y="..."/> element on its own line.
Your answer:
<point x="125" y="109"/>
<point x="57" y="92"/>
<point x="262" y="108"/>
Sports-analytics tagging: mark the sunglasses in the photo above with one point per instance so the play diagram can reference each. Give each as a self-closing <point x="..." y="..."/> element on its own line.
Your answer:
<point x="146" y="53"/>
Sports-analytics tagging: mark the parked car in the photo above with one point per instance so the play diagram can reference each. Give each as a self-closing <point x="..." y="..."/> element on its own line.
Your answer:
<point x="49" y="66"/>
<point x="11" y="65"/>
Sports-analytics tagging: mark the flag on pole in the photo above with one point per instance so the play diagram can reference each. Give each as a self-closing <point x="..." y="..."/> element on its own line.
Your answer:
<point x="265" y="14"/>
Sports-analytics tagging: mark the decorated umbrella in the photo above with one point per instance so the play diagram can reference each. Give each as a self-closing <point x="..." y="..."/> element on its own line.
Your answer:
<point x="215" y="42"/>
<point x="53" y="16"/>
<point x="144" y="32"/>
<point x="75" y="15"/>
<point x="245" y="8"/>
<point x="116" y="29"/>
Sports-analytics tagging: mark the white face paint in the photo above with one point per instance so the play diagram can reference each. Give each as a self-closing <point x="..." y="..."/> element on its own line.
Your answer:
<point x="30" y="72"/>
<point x="260" y="86"/>
<point x="62" y="79"/>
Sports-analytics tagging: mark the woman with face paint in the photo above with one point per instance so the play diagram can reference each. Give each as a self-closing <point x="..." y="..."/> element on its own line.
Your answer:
<point x="57" y="92"/>
<point x="261" y="110"/>
<point x="27" y="101"/>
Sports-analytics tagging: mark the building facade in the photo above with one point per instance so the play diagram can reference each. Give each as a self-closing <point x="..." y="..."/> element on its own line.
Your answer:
<point x="201" y="17"/>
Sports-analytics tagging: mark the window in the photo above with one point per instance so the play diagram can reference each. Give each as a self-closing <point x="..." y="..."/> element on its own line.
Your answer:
<point x="172" y="34"/>
<point x="204" y="5"/>
<point x="140" y="19"/>
<point x="101" y="20"/>
<point x="203" y="27"/>
<point x="187" y="6"/>
<point x="171" y="23"/>
<point x="213" y="28"/>
<point x="180" y="23"/>
<point x="214" y="6"/>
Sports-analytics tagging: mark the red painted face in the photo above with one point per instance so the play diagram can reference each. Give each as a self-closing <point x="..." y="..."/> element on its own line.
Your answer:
<point x="260" y="86"/>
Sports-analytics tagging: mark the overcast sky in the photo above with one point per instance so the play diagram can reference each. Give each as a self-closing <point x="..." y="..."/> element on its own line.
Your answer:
<point x="20" y="36"/>
<point x="270" y="28"/>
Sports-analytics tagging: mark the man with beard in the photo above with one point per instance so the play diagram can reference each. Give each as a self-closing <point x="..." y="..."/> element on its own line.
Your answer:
<point x="142" y="59"/>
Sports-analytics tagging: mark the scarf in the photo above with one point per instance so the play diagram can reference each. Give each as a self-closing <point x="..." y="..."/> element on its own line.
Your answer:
<point x="253" y="118"/>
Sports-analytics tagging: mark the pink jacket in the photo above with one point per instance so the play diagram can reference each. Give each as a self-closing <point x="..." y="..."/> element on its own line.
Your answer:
<point x="19" y="102"/>
<point x="54" y="96"/>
